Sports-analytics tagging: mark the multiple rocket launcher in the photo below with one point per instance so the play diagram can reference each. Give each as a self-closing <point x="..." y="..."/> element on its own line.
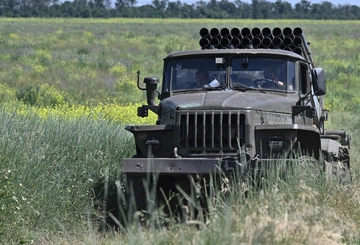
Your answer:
<point x="277" y="38"/>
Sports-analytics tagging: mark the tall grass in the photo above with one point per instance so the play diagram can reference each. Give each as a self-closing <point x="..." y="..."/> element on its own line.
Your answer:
<point x="54" y="172"/>
<point x="348" y="121"/>
<point x="48" y="169"/>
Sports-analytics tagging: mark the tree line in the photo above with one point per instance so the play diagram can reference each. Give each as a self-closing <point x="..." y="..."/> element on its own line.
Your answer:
<point x="222" y="9"/>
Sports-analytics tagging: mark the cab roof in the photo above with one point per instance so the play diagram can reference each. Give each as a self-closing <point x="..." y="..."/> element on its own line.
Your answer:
<point x="264" y="52"/>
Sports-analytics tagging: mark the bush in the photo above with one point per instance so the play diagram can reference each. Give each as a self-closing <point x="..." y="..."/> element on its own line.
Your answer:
<point x="7" y="94"/>
<point x="40" y="96"/>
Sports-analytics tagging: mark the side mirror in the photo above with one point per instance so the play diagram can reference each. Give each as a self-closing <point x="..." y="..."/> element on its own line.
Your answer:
<point x="318" y="81"/>
<point x="151" y="86"/>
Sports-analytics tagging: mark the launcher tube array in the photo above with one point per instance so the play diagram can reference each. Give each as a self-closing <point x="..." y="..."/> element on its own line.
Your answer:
<point x="266" y="38"/>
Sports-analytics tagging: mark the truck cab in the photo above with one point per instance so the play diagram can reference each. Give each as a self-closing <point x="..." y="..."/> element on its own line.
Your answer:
<point x="235" y="110"/>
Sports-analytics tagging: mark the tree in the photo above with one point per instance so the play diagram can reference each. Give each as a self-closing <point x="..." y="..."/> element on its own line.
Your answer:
<point x="243" y="10"/>
<point x="227" y="7"/>
<point x="266" y="9"/>
<point x="256" y="10"/>
<point x="303" y="9"/>
<point x="125" y="3"/>
<point x="283" y="10"/>
<point x="174" y="10"/>
<point x="160" y="4"/>
<point x="9" y="8"/>
<point x="99" y="4"/>
<point x="326" y="10"/>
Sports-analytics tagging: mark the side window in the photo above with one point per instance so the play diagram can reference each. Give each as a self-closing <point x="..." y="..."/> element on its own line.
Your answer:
<point x="303" y="78"/>
<point x="291" y="77"/>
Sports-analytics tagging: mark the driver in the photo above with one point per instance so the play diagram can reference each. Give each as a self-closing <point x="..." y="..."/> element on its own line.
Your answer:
<point x="202" y="78"/>
<point x="269" y="73"/>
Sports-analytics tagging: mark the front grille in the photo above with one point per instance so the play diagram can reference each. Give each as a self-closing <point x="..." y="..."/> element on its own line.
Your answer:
<point x="211" y="131"/>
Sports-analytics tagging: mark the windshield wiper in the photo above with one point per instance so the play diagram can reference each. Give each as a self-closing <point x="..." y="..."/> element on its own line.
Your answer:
<point x="243" y="87"/>
<point x="209" y="88"/>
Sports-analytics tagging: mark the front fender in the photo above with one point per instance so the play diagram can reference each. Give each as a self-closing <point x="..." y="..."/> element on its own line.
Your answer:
<point x="153" y="140"/>
<point x="277" y="141"/>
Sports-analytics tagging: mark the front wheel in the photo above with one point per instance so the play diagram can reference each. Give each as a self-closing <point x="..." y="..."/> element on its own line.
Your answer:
<point x="141" y="198"/>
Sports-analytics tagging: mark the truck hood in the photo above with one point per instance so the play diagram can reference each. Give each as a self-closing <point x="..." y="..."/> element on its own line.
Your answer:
<point x="222" y="100"/>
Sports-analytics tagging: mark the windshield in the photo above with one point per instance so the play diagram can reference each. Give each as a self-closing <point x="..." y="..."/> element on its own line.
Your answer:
<point x="245" y="73"/>
<point x="263" y="73"/>
<point x="194" y="74"/>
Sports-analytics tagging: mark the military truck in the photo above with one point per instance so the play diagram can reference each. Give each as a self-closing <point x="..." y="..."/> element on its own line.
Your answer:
<point x="262" y="104"/>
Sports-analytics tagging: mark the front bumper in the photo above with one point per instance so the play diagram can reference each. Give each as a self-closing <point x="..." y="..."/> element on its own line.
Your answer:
<point x="184" y="166"/>
<point x="180" y="166"/>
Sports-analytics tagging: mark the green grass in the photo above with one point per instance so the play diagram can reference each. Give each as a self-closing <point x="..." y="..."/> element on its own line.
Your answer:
<point x="350" y="122"/>
<point x="92" y="60"/>
<point x="50" y="169"/>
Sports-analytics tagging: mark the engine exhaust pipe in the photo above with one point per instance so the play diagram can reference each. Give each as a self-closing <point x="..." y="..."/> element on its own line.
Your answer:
<point x="151" y="86"/>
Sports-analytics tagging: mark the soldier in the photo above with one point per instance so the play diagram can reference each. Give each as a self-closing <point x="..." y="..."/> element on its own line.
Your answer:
<point x="202" y="78"/>
<point x="270" y="74"/>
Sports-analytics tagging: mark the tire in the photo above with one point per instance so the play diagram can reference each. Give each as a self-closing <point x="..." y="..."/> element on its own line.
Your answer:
<point x="162" y="199"/>
<point x="139" y="191"/>
<point x="339" y="169"/>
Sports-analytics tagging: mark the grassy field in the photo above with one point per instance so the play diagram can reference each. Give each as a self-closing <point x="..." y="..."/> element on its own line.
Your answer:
<point x="63" y="85"/>
<point x="91" y="61"/>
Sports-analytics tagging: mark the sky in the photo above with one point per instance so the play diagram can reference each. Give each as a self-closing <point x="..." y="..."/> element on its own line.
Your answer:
<point x="293" y="2"/>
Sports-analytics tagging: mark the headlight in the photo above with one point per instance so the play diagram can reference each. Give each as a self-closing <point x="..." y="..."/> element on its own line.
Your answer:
<point x="289" y="135"/>
<point x="141" y="136"/>
<point x="275" y="143"/>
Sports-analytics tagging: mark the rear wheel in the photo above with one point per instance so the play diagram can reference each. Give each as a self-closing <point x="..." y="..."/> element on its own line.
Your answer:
<point x="338" y="168"/>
